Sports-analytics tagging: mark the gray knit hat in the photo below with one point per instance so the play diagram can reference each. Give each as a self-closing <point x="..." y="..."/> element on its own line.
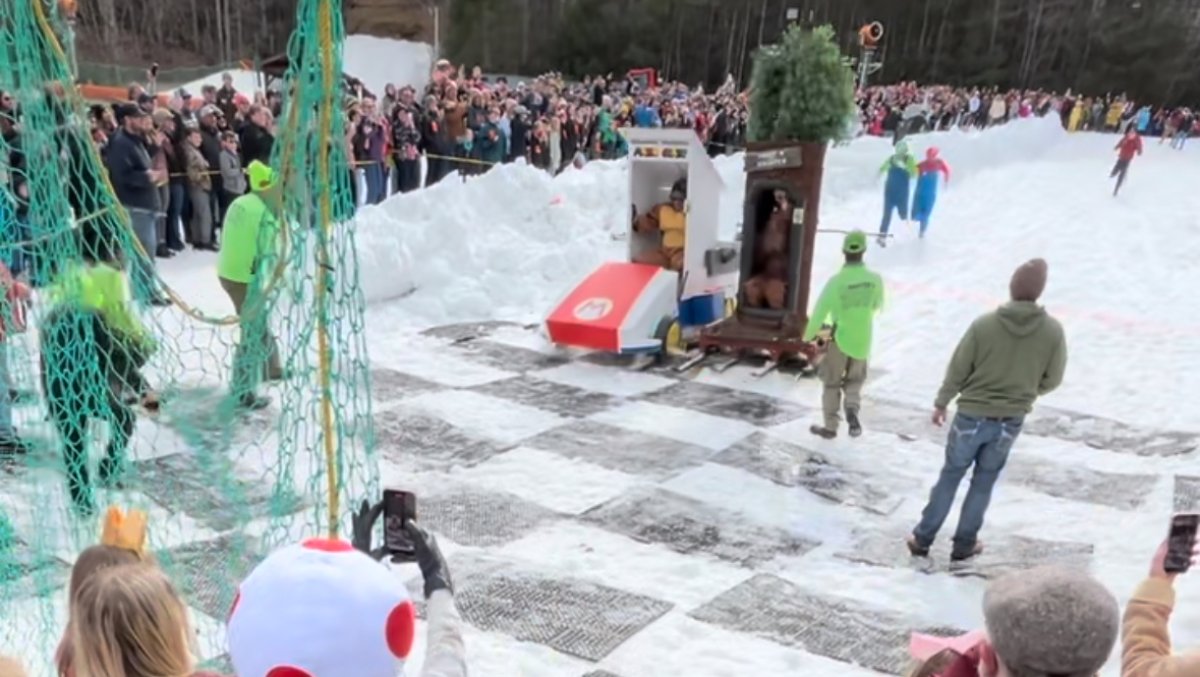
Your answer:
<point x="1051" y="621"/>
<point x="1029" y="280"/>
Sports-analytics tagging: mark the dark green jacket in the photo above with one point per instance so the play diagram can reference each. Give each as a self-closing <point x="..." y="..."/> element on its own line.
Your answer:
<point x="1006" y="360"/>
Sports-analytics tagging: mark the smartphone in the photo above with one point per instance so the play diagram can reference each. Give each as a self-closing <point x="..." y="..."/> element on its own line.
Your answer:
<point x="398" y="508"/>
<point x="1181" y="542"/>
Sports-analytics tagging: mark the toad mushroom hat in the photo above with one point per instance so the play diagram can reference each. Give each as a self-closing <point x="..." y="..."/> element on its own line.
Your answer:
<point x="320" y="609"/>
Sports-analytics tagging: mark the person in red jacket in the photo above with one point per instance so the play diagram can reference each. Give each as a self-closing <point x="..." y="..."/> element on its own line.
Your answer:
<point x="1127" y="147"/>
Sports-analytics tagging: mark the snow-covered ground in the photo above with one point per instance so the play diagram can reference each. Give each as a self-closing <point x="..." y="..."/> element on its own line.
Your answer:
<point x="509" y="244"/>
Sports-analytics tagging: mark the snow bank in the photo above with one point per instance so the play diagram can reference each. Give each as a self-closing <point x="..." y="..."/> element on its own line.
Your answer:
<point x="494" y="247"/>
<point x="378" y="61"/>
<point x="509" y="244"/>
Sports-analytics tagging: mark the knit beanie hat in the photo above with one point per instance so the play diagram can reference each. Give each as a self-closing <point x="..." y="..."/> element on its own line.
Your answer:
<point x="1029" y="280"/>
<point x="320" y="609"/>
<point x="1051" y="621"/>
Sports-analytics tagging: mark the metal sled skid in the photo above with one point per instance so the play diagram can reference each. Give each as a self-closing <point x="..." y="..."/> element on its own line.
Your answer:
<point x="630" y="308"/>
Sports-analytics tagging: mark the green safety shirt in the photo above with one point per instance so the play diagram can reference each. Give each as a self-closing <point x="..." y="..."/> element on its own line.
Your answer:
<point x="249" y="224"/>
<point x="105" y="289"/>
<point x="849" y="302"/>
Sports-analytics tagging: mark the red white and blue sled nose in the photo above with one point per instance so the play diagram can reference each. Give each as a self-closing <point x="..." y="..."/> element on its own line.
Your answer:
<point x="616" y="309"/>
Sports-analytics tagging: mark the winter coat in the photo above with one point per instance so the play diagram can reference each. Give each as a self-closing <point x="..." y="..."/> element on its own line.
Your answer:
<point x="233" y="180"/>
<point x="197" y="168"/>
<point x="369" y="145"/>
<point x="456" y="121"/>
<point x="445" y="651"/>
<point x="128" y="165"/>
<point x="519" y="141"/>
<point x="406" y="141"/>
<point x="256" y="143"/>
<point x="1145" y="639"/>
<point x="210" y="148"/>
<point x="1006" y="360"/>
<point x="490" y="142"/>
<point x="1127" y="147"/>
<point x="849" y="302"/>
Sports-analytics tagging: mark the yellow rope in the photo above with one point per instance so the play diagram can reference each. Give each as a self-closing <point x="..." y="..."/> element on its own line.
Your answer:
<point x="76" y="101"/>
<point x="329" y="87"/>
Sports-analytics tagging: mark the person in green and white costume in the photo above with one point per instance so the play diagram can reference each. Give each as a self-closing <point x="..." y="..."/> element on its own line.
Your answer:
<point x="248" y="239"/>
<point x="848" y="303"/>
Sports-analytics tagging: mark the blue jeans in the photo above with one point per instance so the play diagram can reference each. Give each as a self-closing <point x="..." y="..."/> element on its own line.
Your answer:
<point x="984" y="443"/>
<point x="175" y="214"/>
<point x="376" y="183"/>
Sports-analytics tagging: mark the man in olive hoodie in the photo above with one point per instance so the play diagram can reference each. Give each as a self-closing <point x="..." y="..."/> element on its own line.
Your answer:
<point x="1006" y="360"/>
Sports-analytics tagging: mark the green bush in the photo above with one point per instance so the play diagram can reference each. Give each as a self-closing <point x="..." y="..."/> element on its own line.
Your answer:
<point x="802" y="89"/>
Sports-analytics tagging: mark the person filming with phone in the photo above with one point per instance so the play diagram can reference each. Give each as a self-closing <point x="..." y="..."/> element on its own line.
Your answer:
<point x="325" y="607"/>
<point x="1145" y="638"/>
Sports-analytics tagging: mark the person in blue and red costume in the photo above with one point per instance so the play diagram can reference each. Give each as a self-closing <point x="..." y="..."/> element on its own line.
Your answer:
<point x="900" y="168"/>
<point x="925" y="194"/>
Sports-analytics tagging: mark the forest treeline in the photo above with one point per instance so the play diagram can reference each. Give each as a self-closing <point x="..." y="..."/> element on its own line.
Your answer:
<point x="1147" y="48"/>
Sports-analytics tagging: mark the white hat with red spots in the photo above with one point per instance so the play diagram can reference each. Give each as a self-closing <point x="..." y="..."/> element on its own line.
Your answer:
<point x="320" y="609"/>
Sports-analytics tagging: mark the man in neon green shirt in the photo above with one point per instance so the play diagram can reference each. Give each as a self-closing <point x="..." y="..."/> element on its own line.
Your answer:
<point x="848" y="302"/>
<point x="247" y="238"/>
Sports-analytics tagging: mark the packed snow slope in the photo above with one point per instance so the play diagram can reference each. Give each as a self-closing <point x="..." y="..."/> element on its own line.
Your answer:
<point x="509" y="244"/>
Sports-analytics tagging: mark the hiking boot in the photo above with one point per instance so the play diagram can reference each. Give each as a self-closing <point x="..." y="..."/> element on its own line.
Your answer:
<point x="823" y="432"/>
<point x="853" y="422"/>
<point x="915" y="547"/>
<point x="958" y="555"/>
<point x="253" y="402"/>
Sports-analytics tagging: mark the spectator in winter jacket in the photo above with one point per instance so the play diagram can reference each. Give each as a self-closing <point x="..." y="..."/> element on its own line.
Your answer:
<point x="491" y="140"/>
<point x="136" y="185"/>
<point x="848" y="303"/>
<point x="210" y="134"/>
<point x="1006" y="360"/>
<point x="170" y="141"/>
<point x="436" y="142"/>
<point x="233" y="177"/>
<point x="1048" y="621"/>
<point x="200" y="187"/>
<point x="1146" y="640"/>
<point x="256" y="139"/>
<point x="406" y="150"/>
<point x="518" y="143"/>
<point x="349" y="605"/>
<point x="225" y="96"/>
<point x="370" y="145"/>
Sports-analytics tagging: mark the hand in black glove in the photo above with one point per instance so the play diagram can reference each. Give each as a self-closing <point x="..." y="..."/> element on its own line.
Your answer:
<point x="430" y="559"/>
<point x="363" y="523"/>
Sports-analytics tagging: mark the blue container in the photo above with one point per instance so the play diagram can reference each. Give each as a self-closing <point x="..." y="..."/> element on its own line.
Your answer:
<point x="701" y="310"/>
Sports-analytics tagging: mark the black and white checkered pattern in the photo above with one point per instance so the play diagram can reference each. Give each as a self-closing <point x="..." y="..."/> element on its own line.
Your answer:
<point x="606" y="516"/>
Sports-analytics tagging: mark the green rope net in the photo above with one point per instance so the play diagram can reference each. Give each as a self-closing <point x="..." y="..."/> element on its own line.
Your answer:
<point x="222" y="483"/>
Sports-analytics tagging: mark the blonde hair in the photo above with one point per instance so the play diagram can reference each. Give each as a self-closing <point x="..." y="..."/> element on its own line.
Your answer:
<point x="90" y="561"/>
<point x="128" y="621"/>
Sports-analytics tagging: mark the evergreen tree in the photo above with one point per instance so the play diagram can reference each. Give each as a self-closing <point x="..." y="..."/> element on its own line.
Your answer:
<point x="803" y="90"/>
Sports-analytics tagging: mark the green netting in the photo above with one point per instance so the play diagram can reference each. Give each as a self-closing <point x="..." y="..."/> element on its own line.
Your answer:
<point x="223" y="484"/>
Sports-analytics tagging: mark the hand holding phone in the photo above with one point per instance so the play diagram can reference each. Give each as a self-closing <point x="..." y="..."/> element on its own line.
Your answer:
<point x="399" y="508"/>
<point x="1176" y="554"/>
